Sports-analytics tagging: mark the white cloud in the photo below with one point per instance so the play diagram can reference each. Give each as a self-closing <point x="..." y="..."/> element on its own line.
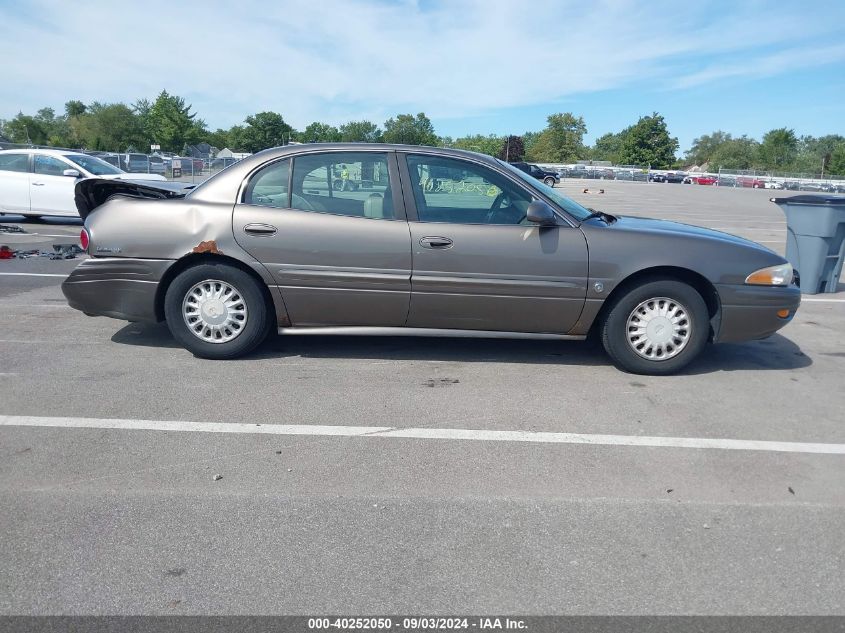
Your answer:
<point x="337" y="60"/>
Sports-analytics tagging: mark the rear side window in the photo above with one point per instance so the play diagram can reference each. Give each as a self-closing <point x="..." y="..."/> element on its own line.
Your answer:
<point x="14" y="162"/>
<point x="343" y="183"/>
<point x="268" y="187"/>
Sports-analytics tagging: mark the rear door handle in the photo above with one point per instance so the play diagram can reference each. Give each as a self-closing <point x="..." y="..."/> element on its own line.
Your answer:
<point x="434" y="241"/>
<point x="264" y="230"/>
<point x="38" y="184"/>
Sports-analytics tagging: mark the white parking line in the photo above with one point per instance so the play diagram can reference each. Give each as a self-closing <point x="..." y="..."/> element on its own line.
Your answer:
<point x="814" y="300"/>
<point x="425" y="434"/>
<point x="34" y="274"/>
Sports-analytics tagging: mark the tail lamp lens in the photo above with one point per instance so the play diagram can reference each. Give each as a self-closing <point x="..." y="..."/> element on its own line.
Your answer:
<point x="84" y="240"/>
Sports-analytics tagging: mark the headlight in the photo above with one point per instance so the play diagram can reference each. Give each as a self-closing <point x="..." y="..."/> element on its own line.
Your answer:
<point x="772" y="276"/>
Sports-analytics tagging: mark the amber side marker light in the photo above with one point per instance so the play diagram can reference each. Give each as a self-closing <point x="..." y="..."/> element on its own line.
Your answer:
<point x="783" y="313"/>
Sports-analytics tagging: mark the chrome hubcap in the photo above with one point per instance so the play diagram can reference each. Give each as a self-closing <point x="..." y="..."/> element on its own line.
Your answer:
<point x="659" y="328"/>
<point x="214" y="311"/>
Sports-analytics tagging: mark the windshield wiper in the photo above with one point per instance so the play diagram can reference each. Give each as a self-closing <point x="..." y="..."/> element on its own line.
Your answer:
<point x="610" y="219"/>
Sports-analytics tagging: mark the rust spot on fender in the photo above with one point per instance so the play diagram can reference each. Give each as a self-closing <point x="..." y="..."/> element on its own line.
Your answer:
<point x="207" y="247"/>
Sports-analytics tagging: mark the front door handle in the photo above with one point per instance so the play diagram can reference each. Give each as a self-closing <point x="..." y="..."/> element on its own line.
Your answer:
<point x="263" y="230"/>
<point x="435" y="242"/>
<point x="38" y="184"/>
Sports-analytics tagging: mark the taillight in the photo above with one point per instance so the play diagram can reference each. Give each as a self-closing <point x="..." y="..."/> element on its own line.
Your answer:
<point x="84" y="239"/>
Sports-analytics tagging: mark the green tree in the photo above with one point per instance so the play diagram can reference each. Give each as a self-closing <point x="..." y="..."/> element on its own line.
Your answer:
<point x="113" y="127"/>
<point x="219" y="138"/>
<point x="169" y="122"/>
<point x="778" y="149"/>
<point x="236" y="139"/>
<point x="410" y="130"/>
<point x="649" y="143"/>
<point x="609" y="146"/>
<point x="74" y="107"/>
<point x="360" y="132"/>
<point x="479" y="143"/>
<point x="735" y="153"/>
<point x="263" y="130"/>
<point x="529" y="139"/>
<point x="319" y="133"/>
<point x="704" y="146"/>
<point x="512" y="149"/>
<point x="27" y="129"/>
<point x="836" y="164"/>
<point x="814" y="154"/>
<point x="561" y="142"/>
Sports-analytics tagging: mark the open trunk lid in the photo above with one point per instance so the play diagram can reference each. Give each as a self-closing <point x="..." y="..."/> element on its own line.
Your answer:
<point x="92" y="192"/>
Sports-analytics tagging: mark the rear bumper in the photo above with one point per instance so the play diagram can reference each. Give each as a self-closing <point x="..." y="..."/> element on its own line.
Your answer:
<point x="117" y="287"/>
<point x="750" y="312"/>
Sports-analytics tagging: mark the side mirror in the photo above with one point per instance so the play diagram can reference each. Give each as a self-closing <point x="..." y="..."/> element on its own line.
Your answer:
<point x="73" y="173"/>
<point x="539" y="212"/>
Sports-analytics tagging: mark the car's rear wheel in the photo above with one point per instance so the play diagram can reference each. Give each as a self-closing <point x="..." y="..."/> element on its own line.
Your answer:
<point x="656" y="328"/>
<point x="216" y="311"/>
<point x="550" y="182"/>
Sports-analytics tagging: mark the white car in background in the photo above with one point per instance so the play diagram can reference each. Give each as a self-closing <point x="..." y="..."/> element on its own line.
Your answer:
<point x="37" y="182"/>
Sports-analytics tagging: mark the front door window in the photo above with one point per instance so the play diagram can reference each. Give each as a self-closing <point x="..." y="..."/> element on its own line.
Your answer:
<point x="460" y="192"/>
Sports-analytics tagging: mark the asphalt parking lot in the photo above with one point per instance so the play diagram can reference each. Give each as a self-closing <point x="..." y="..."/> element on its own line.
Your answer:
<point x="478" y="476"/>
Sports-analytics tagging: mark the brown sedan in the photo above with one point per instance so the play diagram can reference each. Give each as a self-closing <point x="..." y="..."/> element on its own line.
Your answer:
<point x="388" y="239"/>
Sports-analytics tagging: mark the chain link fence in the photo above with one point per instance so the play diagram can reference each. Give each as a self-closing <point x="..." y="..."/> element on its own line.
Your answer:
<point x="193" y="169"/>
<point x="781" y="180"/>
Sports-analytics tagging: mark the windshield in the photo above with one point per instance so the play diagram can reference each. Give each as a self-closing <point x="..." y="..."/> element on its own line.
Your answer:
<point x="570" y="206"/>
<point x="93" y="165"/>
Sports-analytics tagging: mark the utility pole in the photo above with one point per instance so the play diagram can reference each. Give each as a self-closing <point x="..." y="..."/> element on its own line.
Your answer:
<point x="508" y="149"/>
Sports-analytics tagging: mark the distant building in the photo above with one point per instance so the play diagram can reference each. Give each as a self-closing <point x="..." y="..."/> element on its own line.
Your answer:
<point x="227" y="153"/>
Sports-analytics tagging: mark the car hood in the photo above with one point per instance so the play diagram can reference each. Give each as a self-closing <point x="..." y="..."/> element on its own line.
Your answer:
<point x="651" y="225"/>
<point x="132" y="177"/>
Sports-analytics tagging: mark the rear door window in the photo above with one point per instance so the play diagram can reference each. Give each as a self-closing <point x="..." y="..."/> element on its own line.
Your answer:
<point x="14" y="162"/>
<point x="343" y="183"/>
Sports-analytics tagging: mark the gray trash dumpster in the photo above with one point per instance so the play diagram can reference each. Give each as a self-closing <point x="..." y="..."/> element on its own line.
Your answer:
<point x="815" y="239"/>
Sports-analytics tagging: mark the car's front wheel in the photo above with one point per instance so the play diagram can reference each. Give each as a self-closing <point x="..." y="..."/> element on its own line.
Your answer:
<point x="216" y="311"/>
<point x="550" y="181"/>
<point x="656" y="328"/>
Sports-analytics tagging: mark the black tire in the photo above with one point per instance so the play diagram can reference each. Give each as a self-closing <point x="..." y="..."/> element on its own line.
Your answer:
<point x="249" y="336"/>
<point x="614" y="329"/>
<point x="550" y="182"/>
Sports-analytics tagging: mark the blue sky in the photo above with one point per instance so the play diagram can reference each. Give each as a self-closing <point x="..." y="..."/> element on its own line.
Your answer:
<point x="474" y="66"/>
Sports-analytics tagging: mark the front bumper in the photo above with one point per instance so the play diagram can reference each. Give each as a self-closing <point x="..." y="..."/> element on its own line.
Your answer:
<point x="117" y="287"/>
<point x="750" y="312"/>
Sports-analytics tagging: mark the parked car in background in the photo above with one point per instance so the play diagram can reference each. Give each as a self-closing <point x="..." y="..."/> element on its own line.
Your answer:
<point x="791" y="185"/>
<point x="110" y="157"/>
<point x="135" y="163"/>
<point x="701" y="180"/>
<point x="157" y="164"/>
<point x="270" y="246"/>
<point x="656" y="177"/>
<point x="675" y="177"/>
<point x="221" y="163"/>
<point x="36" y="182"/>
<point x="726" y="181"/>
<point x="548" y="177"/>
<point x="774" y="184"/>
<point x="189" y="165"/>
<point x="750" y="181"/>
